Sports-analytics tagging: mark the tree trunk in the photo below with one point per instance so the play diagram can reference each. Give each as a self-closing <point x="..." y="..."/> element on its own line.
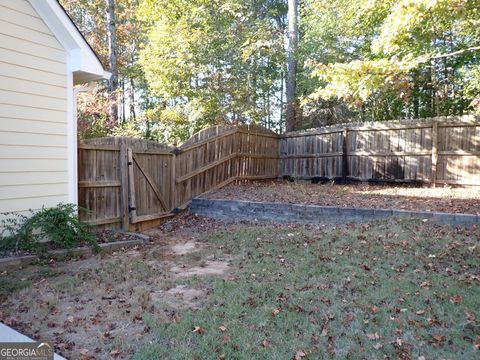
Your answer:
<point x="112" y="60"/>
<point x="290" y="116"/>
<point x="282" y="79"/>
<point x="132" y="100"/>
<point x="123" y="117"/>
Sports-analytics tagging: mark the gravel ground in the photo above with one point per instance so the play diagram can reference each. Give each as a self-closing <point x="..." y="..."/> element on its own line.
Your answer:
<point x="407" y="197"/>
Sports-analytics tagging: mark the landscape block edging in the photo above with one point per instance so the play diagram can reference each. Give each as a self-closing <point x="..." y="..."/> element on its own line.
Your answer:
<point x="300" y="213"/>
<point x="79" y="251"/>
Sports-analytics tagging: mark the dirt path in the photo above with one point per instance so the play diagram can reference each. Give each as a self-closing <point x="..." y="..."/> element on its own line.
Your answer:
<point x="440" y="199"/>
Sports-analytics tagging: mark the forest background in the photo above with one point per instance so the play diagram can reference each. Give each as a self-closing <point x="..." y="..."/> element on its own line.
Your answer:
<point x="179" y="66"/>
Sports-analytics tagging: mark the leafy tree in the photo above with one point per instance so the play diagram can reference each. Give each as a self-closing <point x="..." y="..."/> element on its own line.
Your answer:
<point x="91" y="18"/>
<point x="395" y="59"/>
<point x="226" y="57"/>
<point x="187" y="64"/>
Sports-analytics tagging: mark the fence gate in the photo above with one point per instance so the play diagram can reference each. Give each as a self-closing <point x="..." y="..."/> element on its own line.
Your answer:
<point x="150" y="184"/>
<point x="124" y="182"/>
<point x="133" y="183"/>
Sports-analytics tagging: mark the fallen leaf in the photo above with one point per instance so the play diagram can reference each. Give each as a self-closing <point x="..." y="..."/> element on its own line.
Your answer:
<point x="377" y="346"/>
<point x="198" y="330"/>
<point x="176" y="318"/>
<point x="438" y="338"/>
<point x="420" y="312"/>
<point x="426" y="284"/>
<point x="223" y="328"/>
<point x="115" y="352"/>
<point x="331" y="346"/>
<point x="374" y="309"/>
<point x="365" y="267"/>
<point x="226" y="338"/>
<point x="299" y="355"/>
<point x="265" y="343"/>
<point x="373" y="336"/>
<point x="457" y="299"/>
<point x="349" y="317"/>
<point x="275" y="312"/>
<point x="470" y="316"/>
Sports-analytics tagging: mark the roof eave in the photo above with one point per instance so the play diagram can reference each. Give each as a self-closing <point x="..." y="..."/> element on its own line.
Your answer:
<point x="81" y="58"/>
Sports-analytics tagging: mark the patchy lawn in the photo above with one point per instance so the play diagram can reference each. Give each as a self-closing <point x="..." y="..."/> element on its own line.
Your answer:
<point x="407" y="197"/>
<point x="396" y="289"/>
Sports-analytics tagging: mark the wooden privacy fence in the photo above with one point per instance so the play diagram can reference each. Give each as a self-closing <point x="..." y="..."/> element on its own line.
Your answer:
<point x="132" y="183"/>
<point x="436" y="150"/>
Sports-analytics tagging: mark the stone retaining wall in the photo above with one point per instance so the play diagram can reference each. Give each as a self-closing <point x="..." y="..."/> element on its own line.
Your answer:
<point x="237" y="210"/>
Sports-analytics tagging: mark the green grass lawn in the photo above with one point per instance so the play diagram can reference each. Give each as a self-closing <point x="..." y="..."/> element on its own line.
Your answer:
<point x="392" y="289"/>
<point x="398" y="289"/>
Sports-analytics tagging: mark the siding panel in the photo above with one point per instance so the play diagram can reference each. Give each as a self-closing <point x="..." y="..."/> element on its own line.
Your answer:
<point x="29" y="87"/>
<point x="20" y="18"/>
<point x="27" y="139"/>
<point x="28" y="47"/>
<point x="11" y="29"/>
<point x="32" y="126"/>
<point x="48" y="200"/>
<point x="32" y="61"/>
<point x="33" y="111"/>
<point x="21" y="6"/>
<point x="30" y="113"/>
<point x="22" y="178"/>
<point x="20" y="72"/>
<point x="28" y="152"/>
<point x="41" y="102"/>
<point x="29" y="191"/>
<point x="32" y="165"/>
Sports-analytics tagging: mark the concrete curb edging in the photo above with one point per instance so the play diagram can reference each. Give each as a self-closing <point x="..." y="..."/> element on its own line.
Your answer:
<point x="84" y="250"/>
<point x="299" y="213"/>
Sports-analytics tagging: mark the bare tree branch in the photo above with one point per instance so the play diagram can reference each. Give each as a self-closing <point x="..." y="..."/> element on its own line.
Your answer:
<point x="455" y="53"/>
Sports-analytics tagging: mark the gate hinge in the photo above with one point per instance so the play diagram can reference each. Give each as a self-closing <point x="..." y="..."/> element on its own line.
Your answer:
<point x="130" y="163"/>
<point x="130" y="208"/>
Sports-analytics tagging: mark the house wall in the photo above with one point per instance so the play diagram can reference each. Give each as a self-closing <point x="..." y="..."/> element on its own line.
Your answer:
<point x="33" y="111"/>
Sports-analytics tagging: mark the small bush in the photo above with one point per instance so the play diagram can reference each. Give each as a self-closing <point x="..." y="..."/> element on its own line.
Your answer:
<point x="57" y="227"/>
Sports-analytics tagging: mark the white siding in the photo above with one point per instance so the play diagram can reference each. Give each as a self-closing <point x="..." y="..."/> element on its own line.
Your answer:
<point x="33" y="111"/>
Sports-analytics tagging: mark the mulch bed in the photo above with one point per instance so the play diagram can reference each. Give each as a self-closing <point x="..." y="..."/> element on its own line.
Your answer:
<point x="406" y="197"/>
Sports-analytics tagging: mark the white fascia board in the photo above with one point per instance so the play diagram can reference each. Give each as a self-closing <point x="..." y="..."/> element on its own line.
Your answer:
<point x="81" y="57"/>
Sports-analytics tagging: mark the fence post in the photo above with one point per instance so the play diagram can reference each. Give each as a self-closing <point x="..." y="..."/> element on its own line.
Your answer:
<point x="345" y="155"/>
<point x="434" y="151"/>
<point x="124" y="216"/>
<point x="132" y="207"/>
<point x="173" y="179"/>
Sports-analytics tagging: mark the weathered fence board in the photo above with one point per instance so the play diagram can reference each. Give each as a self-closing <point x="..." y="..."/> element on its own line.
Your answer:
<point x="127" y="182"/>
<point x="132" y="183"/>
<point x="437" y="150"/>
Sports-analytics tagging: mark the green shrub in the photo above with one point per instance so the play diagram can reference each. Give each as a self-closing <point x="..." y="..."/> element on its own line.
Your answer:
<point x="48" y="228"/>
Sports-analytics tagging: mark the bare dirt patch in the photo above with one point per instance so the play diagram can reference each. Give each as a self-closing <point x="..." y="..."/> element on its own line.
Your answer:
<point x="97" y="307"/>
<point x="185" y="248"/>
<point x="407" y="197"/>
<point x="180" y="296"/>
<point x="209" y="268"/>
